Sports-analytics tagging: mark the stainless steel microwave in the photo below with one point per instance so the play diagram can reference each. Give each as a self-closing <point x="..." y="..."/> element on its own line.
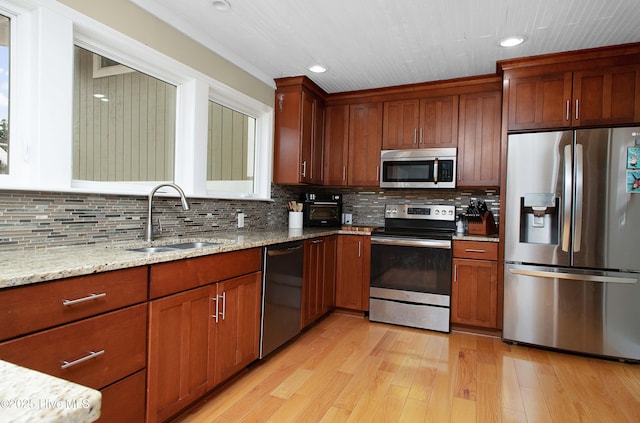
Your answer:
<point x="418" y="168"/>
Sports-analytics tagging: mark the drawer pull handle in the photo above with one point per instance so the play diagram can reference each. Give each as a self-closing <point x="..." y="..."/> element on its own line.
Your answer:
<point x="83" y="299"/>
<point x="474" y="250"/>
<point x="92" y="354"/>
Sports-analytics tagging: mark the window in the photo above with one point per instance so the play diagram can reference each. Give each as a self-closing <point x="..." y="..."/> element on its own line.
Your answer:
<point x="230" y="150"/>
<point x="124" y="122"/>
<point x="95" y="111"/>
<point x="4" y="94"/>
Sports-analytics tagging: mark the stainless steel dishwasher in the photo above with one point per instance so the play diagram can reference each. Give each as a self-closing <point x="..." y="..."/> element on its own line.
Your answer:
<point x="281" y="294"/>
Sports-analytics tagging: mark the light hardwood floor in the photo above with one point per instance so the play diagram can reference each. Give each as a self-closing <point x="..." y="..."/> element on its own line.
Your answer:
<point x="347" y="369"/>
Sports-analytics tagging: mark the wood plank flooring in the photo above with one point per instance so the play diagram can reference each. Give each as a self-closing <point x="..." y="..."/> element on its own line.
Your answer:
<point x="347" y="369"/>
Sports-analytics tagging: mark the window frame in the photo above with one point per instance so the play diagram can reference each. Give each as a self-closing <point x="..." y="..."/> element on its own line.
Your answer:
<point x="45" y="32"/>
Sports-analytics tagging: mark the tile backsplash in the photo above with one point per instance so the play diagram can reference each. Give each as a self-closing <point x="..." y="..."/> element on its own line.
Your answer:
<point x="32" y="220"/>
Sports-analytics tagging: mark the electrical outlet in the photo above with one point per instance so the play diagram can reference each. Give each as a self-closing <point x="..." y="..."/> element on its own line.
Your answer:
<point x="240" y="220"/>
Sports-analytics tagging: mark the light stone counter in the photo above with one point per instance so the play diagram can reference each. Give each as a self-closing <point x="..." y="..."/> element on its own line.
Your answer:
<point x="32" y="266"/>
<point x="30" y="396"/>
<point x="485" y="238"/>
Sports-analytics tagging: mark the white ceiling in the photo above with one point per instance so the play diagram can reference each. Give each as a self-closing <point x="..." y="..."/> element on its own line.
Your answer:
<point x="378" y="43"/>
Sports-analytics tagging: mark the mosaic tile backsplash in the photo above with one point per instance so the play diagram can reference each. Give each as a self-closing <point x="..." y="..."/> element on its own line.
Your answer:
<point x="32" y="220"/>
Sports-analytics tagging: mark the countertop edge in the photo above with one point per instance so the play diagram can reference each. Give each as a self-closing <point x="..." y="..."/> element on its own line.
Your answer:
<point x="30" y="396"/>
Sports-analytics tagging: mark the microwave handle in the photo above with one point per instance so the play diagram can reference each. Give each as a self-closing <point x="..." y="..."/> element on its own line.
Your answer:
<point x="435" y="170"/>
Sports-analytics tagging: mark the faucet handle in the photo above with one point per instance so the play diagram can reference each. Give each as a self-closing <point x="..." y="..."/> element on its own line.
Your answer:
<point x="159" y="231"/>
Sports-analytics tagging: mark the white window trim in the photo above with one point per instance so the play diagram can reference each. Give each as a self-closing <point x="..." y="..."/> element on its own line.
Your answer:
<point x="44" y="32"/>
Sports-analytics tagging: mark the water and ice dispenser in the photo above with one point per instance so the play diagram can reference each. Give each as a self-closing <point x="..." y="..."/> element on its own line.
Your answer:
<point x="539" y="218"/>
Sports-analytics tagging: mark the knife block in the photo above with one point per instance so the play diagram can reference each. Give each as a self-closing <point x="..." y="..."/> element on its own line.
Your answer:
<point x="485" y="226"/>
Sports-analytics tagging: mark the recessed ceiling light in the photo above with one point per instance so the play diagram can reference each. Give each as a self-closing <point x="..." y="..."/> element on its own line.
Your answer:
<point x="317" y="69"/>
<point x="512" y="41"/>
<point x="221" y="5"/>
<point x="98" y="95"/>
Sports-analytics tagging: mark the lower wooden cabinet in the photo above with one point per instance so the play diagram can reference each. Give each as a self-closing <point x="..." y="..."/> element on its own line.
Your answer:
<point x="318" y="285"/>
<point x="198" y="339"/>
<point x="179" y="361"/>
<point x="238" y="327"/>
<point x="124" y="400"/>
<point x="93" y="352"/>
<point x="352" y="279"/>
<point x="474" y="292"/>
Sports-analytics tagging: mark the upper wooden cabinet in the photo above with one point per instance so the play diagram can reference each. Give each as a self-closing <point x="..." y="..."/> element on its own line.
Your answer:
<point x="336" y="145"/>
<point x="606" y="97"/>
<point x="439" y="121"/>
<point x="299" y="126"/>
<point x="539" y="102"/>
<point x="401" y="124"/>
<point x="420" y="123"/>
<point x="352" y="144"/>
<point x="594" y="87"/>
<point x="479" y="139"/>
<point x="365" y="142"/>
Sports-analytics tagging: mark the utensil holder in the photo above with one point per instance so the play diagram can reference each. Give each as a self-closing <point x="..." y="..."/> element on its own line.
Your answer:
<point x="295" y="220"/>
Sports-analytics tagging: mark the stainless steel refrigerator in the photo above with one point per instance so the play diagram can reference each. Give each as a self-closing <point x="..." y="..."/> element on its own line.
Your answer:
<point x="572" y="241"/>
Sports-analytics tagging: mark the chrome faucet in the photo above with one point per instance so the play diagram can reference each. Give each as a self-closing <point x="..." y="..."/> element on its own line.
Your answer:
<point x="183" y="199"/>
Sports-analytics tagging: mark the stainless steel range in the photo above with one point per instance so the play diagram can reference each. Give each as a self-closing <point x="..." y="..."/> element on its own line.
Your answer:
<point x="411" y="266"/>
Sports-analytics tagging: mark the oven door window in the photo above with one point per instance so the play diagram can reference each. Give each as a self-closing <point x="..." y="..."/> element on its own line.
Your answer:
<point x="323" y="212"/>
<point x="411" y="268"/>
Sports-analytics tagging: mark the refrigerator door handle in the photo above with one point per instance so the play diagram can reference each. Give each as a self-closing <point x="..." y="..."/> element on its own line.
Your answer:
<point x="566" y="199"/>
<point x="572" y="276"/>
<point x="577" y="237"/>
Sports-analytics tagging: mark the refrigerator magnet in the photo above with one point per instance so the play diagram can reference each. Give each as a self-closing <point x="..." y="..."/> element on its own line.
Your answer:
<point x="633" y="181"/>
<point x="633" y="157"/>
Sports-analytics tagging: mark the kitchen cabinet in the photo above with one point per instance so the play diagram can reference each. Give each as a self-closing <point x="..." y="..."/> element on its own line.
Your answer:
<point x="319" y="274"/>
<point x="299" y="126"/>
<point x="353" y="140"/>
<point x="352" y="280"/>
<point x="479" y="138"/>
<point x="474" y="289"/>
<point x="89" y="330"/>
<point x="365" y="143"/>
<point x="238" y="326"/>
<point x="421" y="123"/>
<point x="180" y="366"/>
<point x="205" y="331"/>
<point x="336" y="145"/>
<point x="573" y="98"/>
<point x="401" y="123"/>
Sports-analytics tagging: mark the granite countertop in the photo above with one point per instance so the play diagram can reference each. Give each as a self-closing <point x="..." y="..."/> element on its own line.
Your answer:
<point x="19" y="268"/>
<point x="485" y="238"/>
<point x="32" y="266"/>
<point x="30" y="396"/>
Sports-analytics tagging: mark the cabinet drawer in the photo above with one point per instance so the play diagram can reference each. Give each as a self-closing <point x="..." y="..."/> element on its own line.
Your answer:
<point x="117" y="340"/>
<point x="482" y="250"/>
<point x="176" y="276"/>
<point x="35" y="307"/>
<point x="124" y="400"/>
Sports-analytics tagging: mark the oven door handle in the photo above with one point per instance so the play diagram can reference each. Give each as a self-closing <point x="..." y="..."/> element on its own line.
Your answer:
<point x="424" y="243"/>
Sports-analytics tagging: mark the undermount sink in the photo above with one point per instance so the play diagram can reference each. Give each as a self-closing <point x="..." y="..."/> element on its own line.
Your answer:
<point x="174" y="247"/>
